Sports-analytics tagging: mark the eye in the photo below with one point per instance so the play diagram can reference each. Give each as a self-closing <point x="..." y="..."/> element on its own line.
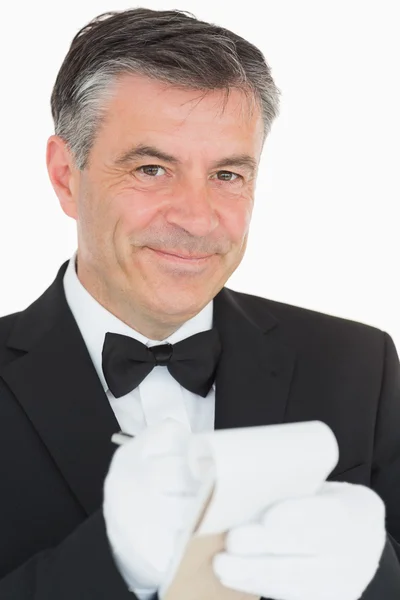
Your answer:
<point x="227" y="176"/>
<point x="150" y="170"/>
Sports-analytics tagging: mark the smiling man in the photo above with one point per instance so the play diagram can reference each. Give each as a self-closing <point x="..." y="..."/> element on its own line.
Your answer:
<point x="164" y="204"/>
<point x="160" y="121"/>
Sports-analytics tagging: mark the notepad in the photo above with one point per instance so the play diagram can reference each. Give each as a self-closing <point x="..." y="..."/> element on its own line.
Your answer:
<point x="242" y="471"/>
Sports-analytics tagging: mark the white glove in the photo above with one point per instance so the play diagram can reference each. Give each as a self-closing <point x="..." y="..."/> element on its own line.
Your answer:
<point x="321" y="547"/>
<point x="148" y="492"/>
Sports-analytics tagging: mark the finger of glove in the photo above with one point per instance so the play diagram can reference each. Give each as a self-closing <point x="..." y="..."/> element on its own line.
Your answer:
<point x="363" y="510"/>
<point x="366" y="514"/>
<point x="279" y="578"/>
<point x="289" y="578"/>
<point x="303" y="526"/>
<point x="363" y="502"/>
<point x="167" y="438"/>
<point x="341" y="515"/>
<point x="169" y="475"/>
<point x="160" y="486"/>
<point x="141" y="509"/>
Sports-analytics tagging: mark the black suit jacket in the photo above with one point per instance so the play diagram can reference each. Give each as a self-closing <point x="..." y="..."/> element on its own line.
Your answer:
<point x="279" y="364"/>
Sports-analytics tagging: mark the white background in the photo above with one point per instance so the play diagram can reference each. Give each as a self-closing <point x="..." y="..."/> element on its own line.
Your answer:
<point x="325" y="229"/>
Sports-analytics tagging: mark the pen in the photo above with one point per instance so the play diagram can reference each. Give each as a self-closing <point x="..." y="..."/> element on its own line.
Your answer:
<point x="121" y="438"/>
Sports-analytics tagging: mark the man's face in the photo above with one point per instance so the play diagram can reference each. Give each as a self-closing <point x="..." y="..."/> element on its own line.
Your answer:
<point x="194" y="199"/>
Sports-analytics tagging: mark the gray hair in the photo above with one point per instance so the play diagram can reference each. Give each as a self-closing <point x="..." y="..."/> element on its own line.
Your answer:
<point x="171" y="46"/>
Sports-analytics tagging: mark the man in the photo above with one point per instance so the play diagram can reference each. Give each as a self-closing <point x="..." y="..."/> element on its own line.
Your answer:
<point x="160" y="120"/>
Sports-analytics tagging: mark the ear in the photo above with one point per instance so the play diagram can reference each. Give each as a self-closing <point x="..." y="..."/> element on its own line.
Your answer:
<point x="64" y="176"/>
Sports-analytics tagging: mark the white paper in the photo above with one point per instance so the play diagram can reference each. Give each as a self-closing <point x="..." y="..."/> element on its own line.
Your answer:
<point x="251" y="468"/>
<point x="248" y="469"/>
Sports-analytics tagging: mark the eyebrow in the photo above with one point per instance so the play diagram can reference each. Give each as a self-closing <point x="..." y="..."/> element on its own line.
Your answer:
<point x="141" y="150"/>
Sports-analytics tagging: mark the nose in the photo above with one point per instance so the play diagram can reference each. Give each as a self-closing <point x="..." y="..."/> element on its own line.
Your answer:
<point x="192" y="208"/>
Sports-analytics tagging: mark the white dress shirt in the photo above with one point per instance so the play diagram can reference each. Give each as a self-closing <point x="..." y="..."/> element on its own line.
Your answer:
<point x="159" y="396"/>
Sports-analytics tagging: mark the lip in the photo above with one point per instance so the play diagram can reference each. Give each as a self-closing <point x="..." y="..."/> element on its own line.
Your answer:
<point x="181" y="258"/>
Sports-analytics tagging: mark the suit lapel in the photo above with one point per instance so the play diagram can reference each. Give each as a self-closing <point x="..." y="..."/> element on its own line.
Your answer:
<point x="58" y="387"/>
<point x="256" y="366"/>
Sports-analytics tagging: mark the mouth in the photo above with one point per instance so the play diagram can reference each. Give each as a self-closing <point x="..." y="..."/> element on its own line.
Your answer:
<point x="180" y="259"/>
<point x="186" y="258"/>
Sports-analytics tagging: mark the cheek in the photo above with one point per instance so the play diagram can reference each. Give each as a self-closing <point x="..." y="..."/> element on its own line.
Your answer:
<point x="237" y="222"/>
<point x="134" y="211"/>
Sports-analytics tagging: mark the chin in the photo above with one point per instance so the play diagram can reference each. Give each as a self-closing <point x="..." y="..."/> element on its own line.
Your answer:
<point x="178" y="302"/>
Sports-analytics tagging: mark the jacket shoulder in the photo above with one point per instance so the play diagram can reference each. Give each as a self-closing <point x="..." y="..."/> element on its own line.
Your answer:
<point x="7" y="323"/>
<point x="301" y="323"/>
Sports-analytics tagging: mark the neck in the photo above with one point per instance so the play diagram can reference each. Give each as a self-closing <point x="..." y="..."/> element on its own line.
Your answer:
<point x="155" y="328"/>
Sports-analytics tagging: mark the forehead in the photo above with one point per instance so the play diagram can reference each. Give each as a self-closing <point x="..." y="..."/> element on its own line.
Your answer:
<point x="143" y="106"/>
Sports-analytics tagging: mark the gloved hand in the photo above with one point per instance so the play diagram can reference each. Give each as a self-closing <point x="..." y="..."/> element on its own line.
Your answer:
<point x="321" y="547"/>
<point x="148" y="493"/>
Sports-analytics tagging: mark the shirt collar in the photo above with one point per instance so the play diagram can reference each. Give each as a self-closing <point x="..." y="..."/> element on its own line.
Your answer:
<point x="94" y="321"/>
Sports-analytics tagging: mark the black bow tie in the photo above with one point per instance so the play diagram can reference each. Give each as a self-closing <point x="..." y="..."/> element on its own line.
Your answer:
<point x="192" y="362"/>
